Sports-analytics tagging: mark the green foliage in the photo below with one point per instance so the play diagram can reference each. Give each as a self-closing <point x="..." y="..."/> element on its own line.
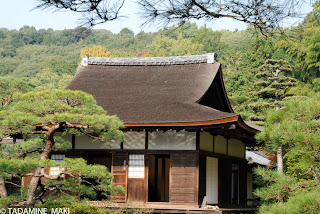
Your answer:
<point x="47" y="80"/>
<point x="37" y="117"/>
<point x="88" y="209"/>
<point x="295" y="127"/>
<point x="304" y="48"/>
<point x="9" y="85"/>
<point x="272" y="86"/>
<point x="304" y="202"/>
<point x="10" y="200"/>
<point x="75" y="207"/>
<point x="34" y="108"/>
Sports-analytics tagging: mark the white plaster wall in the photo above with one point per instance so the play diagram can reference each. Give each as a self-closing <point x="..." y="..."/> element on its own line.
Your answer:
<point x="236" y="148"/>
<point x="212" y="180"/>
<point x="134" y="140"/>
<point x="85" y="142"/>
<point x="172" y="140"/>
<point x="220" y="145"/>
<point x="206" y="141"/>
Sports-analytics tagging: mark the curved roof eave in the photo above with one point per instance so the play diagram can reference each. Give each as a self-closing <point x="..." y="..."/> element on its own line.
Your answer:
<point x="198" y="123"/>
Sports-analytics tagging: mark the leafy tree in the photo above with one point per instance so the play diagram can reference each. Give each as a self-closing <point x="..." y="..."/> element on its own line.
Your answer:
<point x="296" y="128"/>
<point x="163" y="46"/>
<point x="37" y="117"/>
<point x="47" y="80"/>
<point x="304" y="48"/>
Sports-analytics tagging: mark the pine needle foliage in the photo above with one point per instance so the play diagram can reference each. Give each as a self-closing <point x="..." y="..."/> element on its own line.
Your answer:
<point x="296" y="128"/>
<point x="271" y="87"/>
<point x="36" y="118"/>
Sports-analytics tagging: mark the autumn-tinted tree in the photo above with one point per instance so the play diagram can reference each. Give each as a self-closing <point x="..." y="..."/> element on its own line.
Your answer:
<point x="96" y="50"/>
<point x="38" y="116"/>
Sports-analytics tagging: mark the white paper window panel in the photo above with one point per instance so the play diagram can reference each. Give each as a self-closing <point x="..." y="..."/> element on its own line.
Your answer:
<point x="206" y="141"/>
<point x="134" y="140"/>
<point x="236" y="148"/>
<point x="172" y="140"/>
<point x="220" y="145"/>
<point x="136" y="166"/>
<point x="85" y="142"/>
<point x="55" y="171"/>
<point x="212" y="180"/>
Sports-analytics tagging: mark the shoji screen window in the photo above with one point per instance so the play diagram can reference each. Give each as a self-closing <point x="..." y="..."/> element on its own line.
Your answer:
<point x="136" y="166"/>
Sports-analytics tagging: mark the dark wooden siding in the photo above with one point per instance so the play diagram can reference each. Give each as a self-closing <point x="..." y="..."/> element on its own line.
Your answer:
<point x="136" y="189"/>
<point x="243" y="182"/>
<point x="224" y="180"/>
<point x="184" y="179"/>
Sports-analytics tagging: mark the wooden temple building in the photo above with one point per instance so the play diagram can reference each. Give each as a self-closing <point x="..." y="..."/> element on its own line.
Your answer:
<point x="182" y="139"/>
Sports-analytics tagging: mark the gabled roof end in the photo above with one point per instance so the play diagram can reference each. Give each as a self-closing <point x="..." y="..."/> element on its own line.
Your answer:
<point x="85" y="60"/>
<point x="212" y="57"/>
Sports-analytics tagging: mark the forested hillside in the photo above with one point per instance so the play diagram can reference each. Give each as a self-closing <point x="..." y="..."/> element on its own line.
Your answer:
<point x="49" y="59"/>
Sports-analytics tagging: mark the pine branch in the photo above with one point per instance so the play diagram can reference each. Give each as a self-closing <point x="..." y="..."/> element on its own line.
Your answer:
<point x="24" y="154"/>
<point x="14" y="184"/>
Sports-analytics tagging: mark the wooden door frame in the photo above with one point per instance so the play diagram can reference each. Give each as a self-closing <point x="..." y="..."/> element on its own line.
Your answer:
<point x="147" y="164"/>
<point x="126" y="170"/>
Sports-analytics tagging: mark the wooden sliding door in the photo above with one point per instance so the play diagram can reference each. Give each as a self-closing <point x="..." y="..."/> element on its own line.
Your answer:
<point x="119" y="170"/>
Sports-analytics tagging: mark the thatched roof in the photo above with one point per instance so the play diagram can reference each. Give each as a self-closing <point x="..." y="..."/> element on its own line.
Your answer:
<point x="163" y="91"/>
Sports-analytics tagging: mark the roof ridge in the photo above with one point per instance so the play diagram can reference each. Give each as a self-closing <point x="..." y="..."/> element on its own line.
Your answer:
<point x="142" y="61"/>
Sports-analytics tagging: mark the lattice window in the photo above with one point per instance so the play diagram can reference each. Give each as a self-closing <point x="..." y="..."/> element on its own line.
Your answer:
<point x="136" y="166"/>
<point x="58" y="157"/>
<point x="119" y="163"/>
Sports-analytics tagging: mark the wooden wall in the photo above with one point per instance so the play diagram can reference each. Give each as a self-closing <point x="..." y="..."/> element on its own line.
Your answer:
<point x="136" y="189"/>
<point x="243" y="182"/>
<point x="184" y="178"/>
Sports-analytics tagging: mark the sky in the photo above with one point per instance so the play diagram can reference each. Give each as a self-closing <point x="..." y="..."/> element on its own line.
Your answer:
<point x="18" y="13"/>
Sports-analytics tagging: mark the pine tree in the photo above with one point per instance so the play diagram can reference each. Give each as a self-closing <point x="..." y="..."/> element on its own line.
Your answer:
<point x="272" y="87"/>
<point x="37" y="117"/>
<point x="295" y="127"/>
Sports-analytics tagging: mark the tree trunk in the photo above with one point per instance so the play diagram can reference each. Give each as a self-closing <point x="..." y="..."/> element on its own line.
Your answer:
<point x="37" y="175"/>
<point x="279" y="161"/>
<point x="3" y="190"/>
<point x="33" y="187"/>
